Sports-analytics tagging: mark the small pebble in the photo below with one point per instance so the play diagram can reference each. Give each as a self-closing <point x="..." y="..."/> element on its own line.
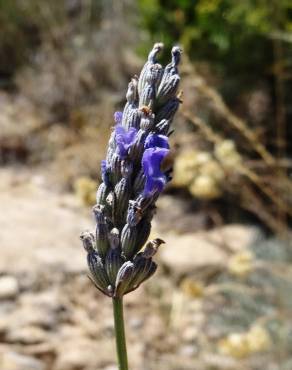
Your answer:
<point x="16" y="361"/>
<point x="9" y="287"/>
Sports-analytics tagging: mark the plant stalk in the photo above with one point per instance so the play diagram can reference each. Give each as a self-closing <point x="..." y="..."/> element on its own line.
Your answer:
<point x="120" y="333"/>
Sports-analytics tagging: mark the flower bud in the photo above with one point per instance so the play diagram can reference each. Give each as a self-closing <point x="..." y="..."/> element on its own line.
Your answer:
<point x="144" y="228"/>
<point x="126" y="169"/>
<point x="88" y="241"/>
<point x="153" y="75"/>
<point x="176" y="53"/>
<point x="157" y="47"/>
<point x="111" y="147"/>
<point x="104" y="169"/>
<point x="171" y="69"/>
<point x="98" y="211"/>
<point x="113" y="262"/>
<point x="115" y="168"/>
<point x="109" y="199"/>
<point x="168" y="110"/>
<point x="123" y="279"/>
<point x="97" y="270"/>
<point x="102" y="194"/>
<point x="114" y="238"/>
<point x="147" y="96"/>
<point x="144" y="202"/>
<point x="144" y="268"/>
<point x="150" y="62"/>
<point x="134" y="214"/>
<point x="121" y="199"/>
<point x="137" y="148"/>
<point x="151" y="248"/>
<point x="139" y="182"/>
<point x="101" y="234"/>
<point x="111" y="143"/>
<point x="128" y="240"/>
<point x="162" y="128"/>
<point x="132" y="93"/>
<point x="168" y="89"/>
<point x="131" y="116"/>
<point x="147" y="122"/>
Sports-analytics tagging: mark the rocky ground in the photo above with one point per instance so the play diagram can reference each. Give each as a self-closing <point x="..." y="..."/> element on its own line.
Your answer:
<point x="52" y="318"/>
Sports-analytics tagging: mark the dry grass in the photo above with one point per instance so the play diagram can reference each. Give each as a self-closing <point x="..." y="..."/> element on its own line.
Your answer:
<point x="260" y="181"/>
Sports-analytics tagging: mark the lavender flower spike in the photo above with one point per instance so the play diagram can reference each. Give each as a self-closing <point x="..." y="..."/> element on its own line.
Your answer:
<point x="133" y="178"/>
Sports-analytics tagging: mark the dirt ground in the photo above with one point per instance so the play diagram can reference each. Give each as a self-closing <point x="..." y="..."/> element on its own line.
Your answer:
<point x="52" y="318"/>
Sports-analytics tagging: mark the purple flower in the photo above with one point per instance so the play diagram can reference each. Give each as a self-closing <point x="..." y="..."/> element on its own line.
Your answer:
<point x="154" y="140"/>
<point x="118" y="116"/>
<point x="124" y="139"/>
<point x="155" y="178"/>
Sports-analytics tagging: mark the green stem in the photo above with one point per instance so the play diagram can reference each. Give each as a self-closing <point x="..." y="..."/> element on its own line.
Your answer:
<point x="120" y="333"/>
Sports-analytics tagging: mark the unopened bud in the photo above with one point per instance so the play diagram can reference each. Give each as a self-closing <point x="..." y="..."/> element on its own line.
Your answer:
<point x="144" y="268"/>
<point x="114" y="238"/>
<point x="88" y="241"/>
<point x="128" y="240"/>
<point x="124" y="277"/>
<point x="113" y="262"/>
<point x="134" y="214"/>
<point x="102" y="193"/>
<point x="101" y="233"/>
<point x="97" y="270"/>
<point x="151" y="248"/>
<point x="147" y="122"/>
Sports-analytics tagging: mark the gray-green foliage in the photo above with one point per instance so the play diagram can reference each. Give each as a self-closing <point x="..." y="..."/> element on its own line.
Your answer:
<point x="263" y="296"/>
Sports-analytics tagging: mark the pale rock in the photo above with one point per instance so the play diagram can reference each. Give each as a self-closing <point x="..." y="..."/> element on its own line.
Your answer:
<point x="178" y="213"/>
<point x="234" y="237"/>
<point x="188" y="350"/>
<point x="16" y="361"/>
<point x="40" y="243"/>
<point x="81" y="353"/>
<point x="31" y="316"/>
<point x="190" y="333"/>
<point x="135" y="323"/>
<point x="68" y="331"/>
<point x="186" y="253"/>
<point x="183" y="254"/>
<point x="9" y="287"/>
<point x="29" y="319"/>
<point x="226" y="362"/>
<point x="39" y="309"/>
<point x="26" y="335"/>
<point x="46" y="349"/>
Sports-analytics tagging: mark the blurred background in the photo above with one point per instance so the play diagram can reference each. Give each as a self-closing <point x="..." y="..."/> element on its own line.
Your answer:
<point x="222" y="298"/>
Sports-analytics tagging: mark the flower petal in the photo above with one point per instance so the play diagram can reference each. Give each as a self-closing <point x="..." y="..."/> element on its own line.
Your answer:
<point x="151" y="162"/>
<point x="118" y="116"/>
<point x="124" y="139"/>
<point x="154" y="140"/>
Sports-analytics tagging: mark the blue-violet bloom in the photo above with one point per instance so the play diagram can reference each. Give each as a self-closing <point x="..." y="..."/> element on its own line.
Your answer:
<point x="124" y="139"/>
<point x="154" y="140"/>
<point x="151" y="164"/>
<point x="118" y="116"/>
